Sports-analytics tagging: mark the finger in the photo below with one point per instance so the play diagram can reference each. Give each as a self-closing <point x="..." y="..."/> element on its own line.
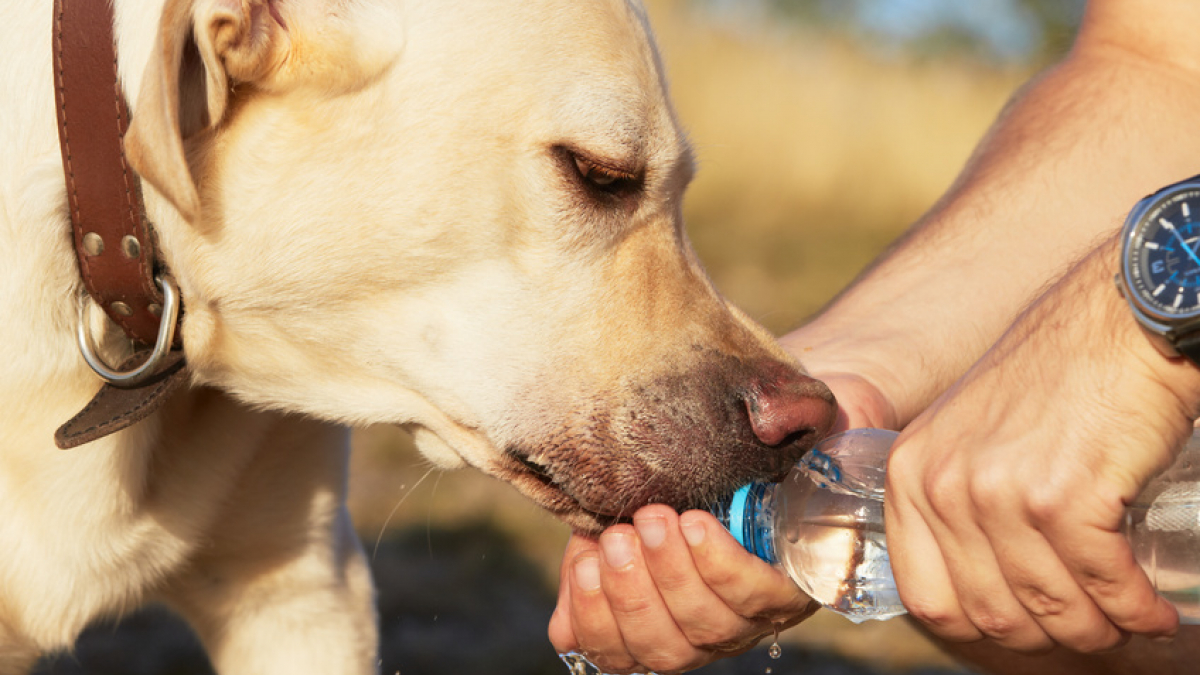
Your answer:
<point x="595" y="628"/>
<point x="982" y="589"/>
<point x="1036" y="572"/>
<point x="1103" y="563"/>
<point x="560" y="630"/>
<point x="1048" y="591"/>
<point x="705" y="620"/>
<point x="920" y="571"/>
<point x="749" y="586"/>
<point x="649" y="631"/>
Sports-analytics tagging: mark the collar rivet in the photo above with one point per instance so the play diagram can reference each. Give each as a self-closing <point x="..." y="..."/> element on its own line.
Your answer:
<point x="93" y="244"/>
<point x="131" y="247"/>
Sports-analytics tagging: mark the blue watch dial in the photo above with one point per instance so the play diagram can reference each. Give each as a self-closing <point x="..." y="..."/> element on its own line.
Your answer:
<point x="1163" y="255"/>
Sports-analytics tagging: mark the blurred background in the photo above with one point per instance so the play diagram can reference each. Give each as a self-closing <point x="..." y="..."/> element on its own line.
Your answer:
<point x="823" y="128"/>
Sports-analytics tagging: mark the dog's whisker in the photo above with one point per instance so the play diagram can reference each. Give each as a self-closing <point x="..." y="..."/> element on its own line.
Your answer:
<point x="383" y="527"/>
<point x="429" y="516"/>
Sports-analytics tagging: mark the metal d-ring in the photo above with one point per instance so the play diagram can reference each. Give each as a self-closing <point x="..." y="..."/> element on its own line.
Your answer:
<point x="162" y="344"/>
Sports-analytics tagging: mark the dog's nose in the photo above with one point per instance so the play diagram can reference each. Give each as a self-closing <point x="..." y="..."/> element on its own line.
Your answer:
<point x="788" y="406"/>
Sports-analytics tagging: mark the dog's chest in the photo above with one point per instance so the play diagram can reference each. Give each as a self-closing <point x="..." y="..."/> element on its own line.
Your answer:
<point x="77" y="543"/>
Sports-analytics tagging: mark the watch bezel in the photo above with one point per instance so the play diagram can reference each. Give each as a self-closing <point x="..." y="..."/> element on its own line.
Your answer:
<point x="1163" y="323"/>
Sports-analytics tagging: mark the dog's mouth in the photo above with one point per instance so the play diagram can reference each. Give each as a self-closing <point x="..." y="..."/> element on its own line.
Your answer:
<point x="536" y="481"/>
<point x="593" y="490"/>
<point x="683" y="440"/>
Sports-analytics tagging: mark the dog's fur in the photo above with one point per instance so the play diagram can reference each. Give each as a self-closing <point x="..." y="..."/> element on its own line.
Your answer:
<point x="460" y="217"/>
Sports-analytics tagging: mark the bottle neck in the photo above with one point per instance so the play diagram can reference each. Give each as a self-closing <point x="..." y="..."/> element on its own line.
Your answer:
<point x="749" y="515"/>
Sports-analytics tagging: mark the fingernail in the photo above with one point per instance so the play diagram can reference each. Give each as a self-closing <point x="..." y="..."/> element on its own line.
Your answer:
<point x="653" y="531"/>
<point x="618" y="549"/>
<point x="587" y="573"/>
<point x="693" y="531"/>
<point x="1164" y="639"/>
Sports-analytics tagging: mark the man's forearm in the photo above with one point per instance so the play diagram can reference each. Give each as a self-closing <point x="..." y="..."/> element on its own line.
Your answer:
<point x="1056" y="173"/>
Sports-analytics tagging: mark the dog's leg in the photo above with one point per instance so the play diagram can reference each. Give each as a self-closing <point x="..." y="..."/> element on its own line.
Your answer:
<point x="283" y="586"/>
<point x="311" y="615"/>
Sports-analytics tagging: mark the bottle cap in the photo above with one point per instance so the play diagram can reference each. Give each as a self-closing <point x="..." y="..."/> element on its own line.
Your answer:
<point x="737" y="514"/>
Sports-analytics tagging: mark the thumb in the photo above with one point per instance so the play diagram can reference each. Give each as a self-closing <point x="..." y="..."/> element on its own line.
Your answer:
<point x="860" y="403"/>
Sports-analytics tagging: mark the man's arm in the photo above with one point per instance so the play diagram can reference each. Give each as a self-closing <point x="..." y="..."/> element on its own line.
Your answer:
<point x="1006" y="498"/>
<point x="1066" y="159"/>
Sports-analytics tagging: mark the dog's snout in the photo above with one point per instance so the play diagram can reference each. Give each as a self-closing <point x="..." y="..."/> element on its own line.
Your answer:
<point x="788" y="405"/>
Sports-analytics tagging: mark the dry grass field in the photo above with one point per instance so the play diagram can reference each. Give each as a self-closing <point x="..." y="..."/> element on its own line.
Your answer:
<point x="813" y="156"/>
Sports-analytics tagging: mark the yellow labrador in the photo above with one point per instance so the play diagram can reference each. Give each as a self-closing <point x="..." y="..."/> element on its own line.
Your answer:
<point x="457" y="216"/>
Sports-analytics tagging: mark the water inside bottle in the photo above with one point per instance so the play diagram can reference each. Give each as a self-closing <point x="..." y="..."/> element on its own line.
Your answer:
<point x="840" y="559"/>
<point x="837" y="550"/>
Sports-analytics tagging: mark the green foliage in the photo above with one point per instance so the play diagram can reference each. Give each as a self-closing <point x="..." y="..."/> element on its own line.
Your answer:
<point x="1057" y="20"/>
<point x="1046" y="26"/>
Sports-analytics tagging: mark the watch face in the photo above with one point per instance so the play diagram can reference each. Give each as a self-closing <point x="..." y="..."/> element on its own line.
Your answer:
<point x="1163" y="255"/>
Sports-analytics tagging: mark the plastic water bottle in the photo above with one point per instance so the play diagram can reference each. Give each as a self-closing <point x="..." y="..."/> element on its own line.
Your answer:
<point x="824" y="526"/>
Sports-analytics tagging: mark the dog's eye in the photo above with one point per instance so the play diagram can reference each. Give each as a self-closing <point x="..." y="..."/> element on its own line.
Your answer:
<point x="604" y="178"/>
<point x="598" y="175"/>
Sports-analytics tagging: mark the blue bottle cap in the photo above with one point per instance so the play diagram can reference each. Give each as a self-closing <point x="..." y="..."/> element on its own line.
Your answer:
<point x="737" y="514"/>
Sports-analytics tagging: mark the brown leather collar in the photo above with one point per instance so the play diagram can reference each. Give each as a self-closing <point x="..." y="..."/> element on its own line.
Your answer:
<point x="114" y="242"/>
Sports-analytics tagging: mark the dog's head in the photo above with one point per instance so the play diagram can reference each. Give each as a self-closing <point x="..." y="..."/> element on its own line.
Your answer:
<point x="461" y="217"/>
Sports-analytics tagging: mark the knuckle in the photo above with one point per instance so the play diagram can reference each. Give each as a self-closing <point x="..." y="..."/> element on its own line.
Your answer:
<point x="1067" y="624"/>
<point x="630" y="605"/>
<point x="990" y="493"/>
<point x="742" y="598"/>
<point x="944" y="621"/>
<point x="1045" y="506"/>
<point x="947" y="494"/>
<point x="670" y="580"/>
<point x="1108" y="590"/>
<point x="1012" y="631"/>
<point x="1042" y="605"/>
<point x="996" y="626"/>
<point x="722" y="577"/>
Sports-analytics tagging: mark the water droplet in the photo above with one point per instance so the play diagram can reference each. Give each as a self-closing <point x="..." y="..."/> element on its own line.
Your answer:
<point x="775" y="651"/>
<point x="769" y="670"/>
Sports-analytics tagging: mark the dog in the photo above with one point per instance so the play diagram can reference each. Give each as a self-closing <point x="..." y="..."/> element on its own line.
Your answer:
<point x="463" y="218"/>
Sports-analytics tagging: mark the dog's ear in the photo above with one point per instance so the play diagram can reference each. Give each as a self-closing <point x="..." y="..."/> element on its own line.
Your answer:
<point x="203" y="48"/>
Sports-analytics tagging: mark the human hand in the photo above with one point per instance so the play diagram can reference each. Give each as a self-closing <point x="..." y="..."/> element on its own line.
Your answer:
<point x="668" y="593"/>
<point x="1005" y="499"/>
<point x="674" y="592"/>
<point x="860" y="404"/>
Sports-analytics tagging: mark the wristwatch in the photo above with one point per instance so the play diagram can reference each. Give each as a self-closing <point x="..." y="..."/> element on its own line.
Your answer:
<point x="1160" y="267"/>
